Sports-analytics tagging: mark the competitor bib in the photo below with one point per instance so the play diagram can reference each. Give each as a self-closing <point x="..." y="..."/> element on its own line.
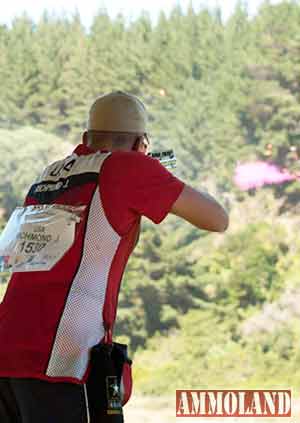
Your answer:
<point x="37" y="237"/>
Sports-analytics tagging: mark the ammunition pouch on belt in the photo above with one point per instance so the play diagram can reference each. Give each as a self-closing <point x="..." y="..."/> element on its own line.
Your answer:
<point x="110" y="381"/>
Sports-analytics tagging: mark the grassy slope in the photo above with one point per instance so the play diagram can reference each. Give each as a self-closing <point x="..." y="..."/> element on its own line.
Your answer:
<point x="202" y="355"/>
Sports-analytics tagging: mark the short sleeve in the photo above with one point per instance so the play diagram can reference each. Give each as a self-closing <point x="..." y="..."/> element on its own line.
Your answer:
<point x="137" y="185"/>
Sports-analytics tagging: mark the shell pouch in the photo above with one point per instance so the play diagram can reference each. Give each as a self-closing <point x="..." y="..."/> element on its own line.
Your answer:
<point x="110" y="380"/>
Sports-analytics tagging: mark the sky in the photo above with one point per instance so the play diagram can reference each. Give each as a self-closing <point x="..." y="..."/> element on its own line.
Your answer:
<point x="130" y="8"/>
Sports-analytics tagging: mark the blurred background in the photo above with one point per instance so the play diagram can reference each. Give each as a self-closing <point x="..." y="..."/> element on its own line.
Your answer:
<point x="221" y="81"/>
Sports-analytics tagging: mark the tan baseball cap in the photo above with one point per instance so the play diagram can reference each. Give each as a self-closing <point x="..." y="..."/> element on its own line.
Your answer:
<point x="117" y="112"/>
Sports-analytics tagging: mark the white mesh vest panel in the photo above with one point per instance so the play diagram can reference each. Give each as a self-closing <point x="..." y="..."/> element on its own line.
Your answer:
<point x="81" y="324"/>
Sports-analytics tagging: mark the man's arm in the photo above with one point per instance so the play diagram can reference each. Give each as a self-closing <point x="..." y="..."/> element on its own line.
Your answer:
<point x="201" y="210"/>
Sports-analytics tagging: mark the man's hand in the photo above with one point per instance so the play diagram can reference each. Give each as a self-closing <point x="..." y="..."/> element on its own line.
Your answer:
<point x="201" y="210"/>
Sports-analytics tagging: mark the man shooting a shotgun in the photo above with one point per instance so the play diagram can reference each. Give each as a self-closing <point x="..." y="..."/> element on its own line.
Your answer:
<point x="68" y="250"/>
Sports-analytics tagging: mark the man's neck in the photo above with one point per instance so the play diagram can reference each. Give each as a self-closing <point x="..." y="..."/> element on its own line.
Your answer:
<point x="108" y="147"/>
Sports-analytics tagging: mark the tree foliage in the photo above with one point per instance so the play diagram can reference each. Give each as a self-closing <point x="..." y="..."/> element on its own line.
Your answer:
<point x="218" y="93"/>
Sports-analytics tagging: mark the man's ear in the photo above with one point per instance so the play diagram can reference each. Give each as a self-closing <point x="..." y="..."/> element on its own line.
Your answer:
<point x="141" y="146"/>
<point x="85" y="138"/>
<point x="137" y="144"/>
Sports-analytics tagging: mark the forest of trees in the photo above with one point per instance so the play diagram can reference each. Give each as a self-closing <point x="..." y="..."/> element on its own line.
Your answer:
<point x="219" y="94"/>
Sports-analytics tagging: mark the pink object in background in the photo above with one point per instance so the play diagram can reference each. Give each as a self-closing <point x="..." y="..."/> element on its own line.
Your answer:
<point x="256" y="174"/>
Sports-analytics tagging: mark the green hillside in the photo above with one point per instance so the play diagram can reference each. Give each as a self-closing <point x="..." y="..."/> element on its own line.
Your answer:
<point x="245" y="333"/>
<point x="197" y="309"/>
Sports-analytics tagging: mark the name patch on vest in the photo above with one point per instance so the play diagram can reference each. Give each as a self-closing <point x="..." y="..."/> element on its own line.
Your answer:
<point x="37" y="237"/>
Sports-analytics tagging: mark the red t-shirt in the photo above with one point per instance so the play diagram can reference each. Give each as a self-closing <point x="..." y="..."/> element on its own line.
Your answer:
<point x="49" y="320"/>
